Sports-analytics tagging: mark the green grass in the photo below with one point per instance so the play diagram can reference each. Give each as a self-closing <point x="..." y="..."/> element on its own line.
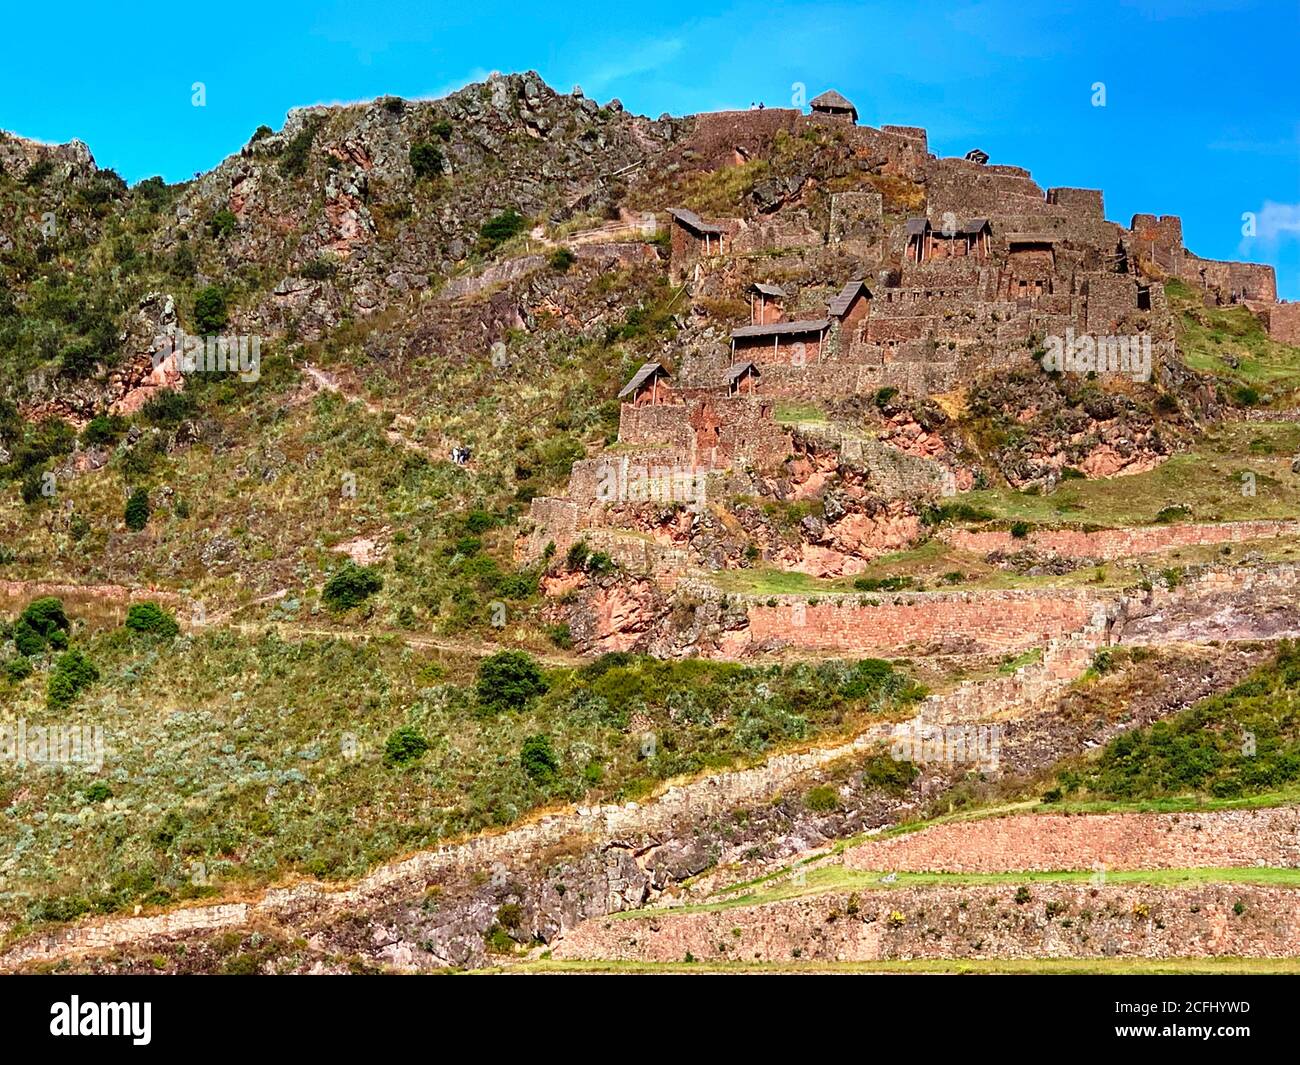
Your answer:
<point x="236" y="759"/>
<point x="1238" y="744"/>
<point x="1207" y="479"/>
<point x="828" y="879"/>
<point x="1230" y="343"/>
<point x="789" y="413"/>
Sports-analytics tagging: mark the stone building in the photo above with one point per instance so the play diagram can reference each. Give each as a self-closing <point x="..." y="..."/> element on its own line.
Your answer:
<point x="833" y="105"/>
<point x="792" y="343"/>
<point x="766" y="303"/>
<point x="649" y="386"/>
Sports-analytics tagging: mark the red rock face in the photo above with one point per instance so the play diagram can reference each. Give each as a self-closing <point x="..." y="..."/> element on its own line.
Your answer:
<point x="622" y="615"/>
<point x="142" y="381"/>
<point x="1105" y="461"/>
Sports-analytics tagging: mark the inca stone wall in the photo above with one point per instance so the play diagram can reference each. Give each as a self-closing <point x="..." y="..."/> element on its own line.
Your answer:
<point x="1002" y="621"/>
<point x="1109" y="544"/>
<point x="968" y="921"/>
<point x="1211" y="839"/>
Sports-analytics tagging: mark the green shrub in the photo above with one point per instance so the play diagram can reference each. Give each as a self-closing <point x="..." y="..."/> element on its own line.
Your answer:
<point x="73" y="673"/>
<point x="889" y="774"/>
<point x="169" y="408"/>
<point x="538" y="759"/>
<point x="561" y="259"/>
<point x="210" y="314"/>
<point x="500" y="228"/>
<point x="98" y="792"/>
<point x="46" y="616"/>
<point x="822" y="800"/>
<point x="293" y="162"/>
<point x="322" y="268"/>
<point x="509" y="680"/>
<point x="103" y="429"/>
<point x="223" y="223"/>
<point x="351" y="585"/>
<point x="18" y="668"/>
<point x="31" y="487"/>
<point x="1177" y="512"/>
<point x="38" y="172"/>
<point x="27" y="640"/>
<point x="404" y="746"/>
<point x="150" y="618"/>
<point x="1020" y="529"/>
<point x="882" y="584"/>
<point x="576" y="558"/>
<point x="426" y="160"/>
<point x="137" y="510"/>
<point x="42" y="624"/>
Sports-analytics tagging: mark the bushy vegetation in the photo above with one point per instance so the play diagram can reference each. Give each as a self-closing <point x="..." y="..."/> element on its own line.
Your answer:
<point x="500" y="228"/>
<point x="151" y="619"/>
<point x="1242" y="742"/>
<point x="509" y="680"/>
<point x="210" y="312"/>
<point x="350" y="586"/>
<point x="404" y="746"/>
<point x="426" y="160"/>
<point x="43" y="624"/>
<point x="136" y="514"/>
<point x="73" y="673"/>
<point x="255" y="757"/>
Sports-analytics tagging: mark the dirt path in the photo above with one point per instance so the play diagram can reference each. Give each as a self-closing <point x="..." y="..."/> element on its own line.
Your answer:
<point x="330" y="382"/>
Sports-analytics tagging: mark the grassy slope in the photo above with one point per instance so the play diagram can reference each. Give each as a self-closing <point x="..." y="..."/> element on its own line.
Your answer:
<point x="238" y="758"/>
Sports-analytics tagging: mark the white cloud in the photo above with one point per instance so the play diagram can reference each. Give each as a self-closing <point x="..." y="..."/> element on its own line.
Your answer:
<point x="650" y="56"/>
<point x="1278" y="221"/>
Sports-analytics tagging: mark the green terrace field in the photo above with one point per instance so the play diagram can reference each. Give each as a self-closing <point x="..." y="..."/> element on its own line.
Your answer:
<point x="1206" y="480"/>
<point x="827" y="879"/>
<point x="1230" y="343"/>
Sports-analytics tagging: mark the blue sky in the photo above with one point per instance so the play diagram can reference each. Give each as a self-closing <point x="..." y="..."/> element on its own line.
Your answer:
<point x="1202" y="115"/>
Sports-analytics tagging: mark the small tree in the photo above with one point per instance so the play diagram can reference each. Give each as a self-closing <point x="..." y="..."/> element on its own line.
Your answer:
<point x="350" y="586"/>
<point x="509" y="680"/>
<point x="538" y="759"/>
<point x="210" y="314"/>
<point x="152" y="619"/>
<point x="72" y="673"/>
<point x="137" y="510"/>
<point x="404" y="745"/>
<point x="426" y="160"/>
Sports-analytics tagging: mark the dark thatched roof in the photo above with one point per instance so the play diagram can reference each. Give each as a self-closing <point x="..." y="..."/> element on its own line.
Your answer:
<point x="693" y="221"/>
<point x="812" y="325"/>
<point x="840" y="305"/>
<point x="833" y="101"/>
<point x="643" y="376"/>
<point x="739" y="370"/>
